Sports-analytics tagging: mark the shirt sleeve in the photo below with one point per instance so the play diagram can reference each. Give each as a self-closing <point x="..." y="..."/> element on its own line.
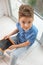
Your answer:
<point x="19" y="27"/>
<point x="17" y="24"/>
<point x="32" y="38"/>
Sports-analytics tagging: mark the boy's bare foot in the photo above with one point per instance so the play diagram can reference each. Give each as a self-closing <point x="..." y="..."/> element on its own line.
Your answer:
<point x="7" y="52"/>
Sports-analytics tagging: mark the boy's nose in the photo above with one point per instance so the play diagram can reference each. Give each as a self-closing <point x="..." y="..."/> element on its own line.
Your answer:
<point x="25" y="24"/>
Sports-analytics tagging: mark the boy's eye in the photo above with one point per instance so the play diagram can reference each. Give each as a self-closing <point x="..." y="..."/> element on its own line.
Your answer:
<point x="29" y="22"/>
<point x="23" y="22"/>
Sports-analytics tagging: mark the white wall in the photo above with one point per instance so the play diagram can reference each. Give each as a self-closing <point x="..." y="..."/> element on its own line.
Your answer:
<point x="3" y="8"/>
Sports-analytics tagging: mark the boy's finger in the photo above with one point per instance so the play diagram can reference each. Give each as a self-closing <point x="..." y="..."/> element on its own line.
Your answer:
<point x="10" y="47"/>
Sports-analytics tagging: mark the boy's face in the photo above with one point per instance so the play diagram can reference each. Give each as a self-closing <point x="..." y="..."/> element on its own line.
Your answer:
<point x="26" y="22"/>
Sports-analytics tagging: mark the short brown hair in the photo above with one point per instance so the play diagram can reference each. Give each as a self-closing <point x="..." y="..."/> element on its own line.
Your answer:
<point x="26" y="10"/>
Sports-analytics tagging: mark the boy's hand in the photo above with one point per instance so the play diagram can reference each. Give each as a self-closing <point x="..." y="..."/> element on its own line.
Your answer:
<point x="6" y="37"/>
<point x="12" y="47"/>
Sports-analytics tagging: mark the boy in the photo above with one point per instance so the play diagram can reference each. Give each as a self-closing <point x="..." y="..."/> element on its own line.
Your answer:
<point x="27" y="32"/>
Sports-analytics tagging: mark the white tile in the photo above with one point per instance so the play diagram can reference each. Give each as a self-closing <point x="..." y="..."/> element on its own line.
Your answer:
<point x="7" y="25"/>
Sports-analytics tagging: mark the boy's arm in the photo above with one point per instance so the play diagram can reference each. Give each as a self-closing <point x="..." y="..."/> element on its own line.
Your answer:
<point x="14" y="32"/>
<point x="20" y="45"/>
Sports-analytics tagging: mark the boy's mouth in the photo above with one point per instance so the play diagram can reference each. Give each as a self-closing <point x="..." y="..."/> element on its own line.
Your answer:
<point x="26" y="29"/>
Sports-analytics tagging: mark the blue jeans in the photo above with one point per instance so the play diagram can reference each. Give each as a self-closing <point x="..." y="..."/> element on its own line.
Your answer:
<point x="16" y="52"/>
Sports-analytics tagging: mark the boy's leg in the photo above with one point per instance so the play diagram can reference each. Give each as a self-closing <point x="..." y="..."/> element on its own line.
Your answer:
<point x="13" y="59"/>
<point x="15" y="54"/>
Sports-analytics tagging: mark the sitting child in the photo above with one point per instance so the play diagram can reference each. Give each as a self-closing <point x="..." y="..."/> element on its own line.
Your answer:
<point x="27" y="33"/>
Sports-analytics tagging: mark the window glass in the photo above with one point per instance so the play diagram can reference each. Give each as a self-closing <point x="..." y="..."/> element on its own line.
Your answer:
<point x="14" y="7"/>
